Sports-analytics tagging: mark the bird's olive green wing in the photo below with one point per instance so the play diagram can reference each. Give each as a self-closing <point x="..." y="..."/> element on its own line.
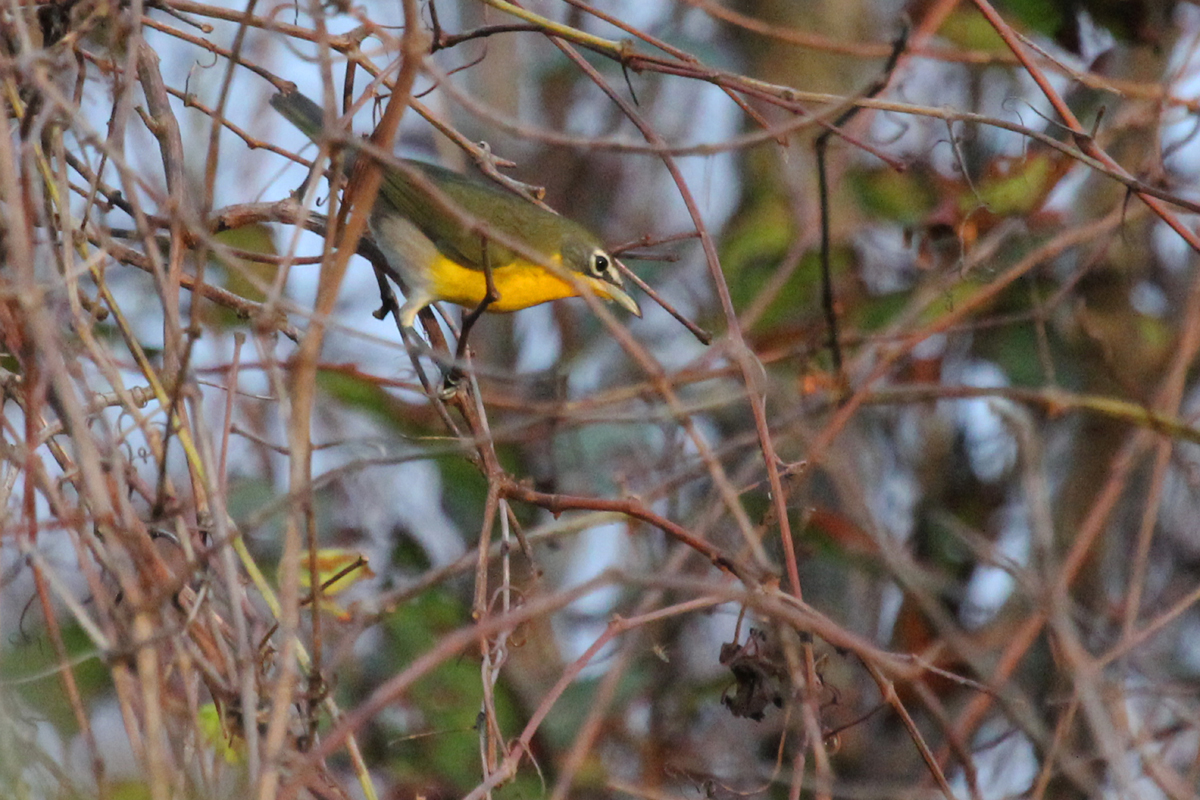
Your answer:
<point x="504" y="212"/>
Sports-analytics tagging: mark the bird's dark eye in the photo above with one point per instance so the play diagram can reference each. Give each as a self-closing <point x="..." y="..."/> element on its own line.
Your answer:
<point x="600" y="263"/>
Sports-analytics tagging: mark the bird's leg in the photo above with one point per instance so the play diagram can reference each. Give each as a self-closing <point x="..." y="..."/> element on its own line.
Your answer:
<point x="489" y="297"/>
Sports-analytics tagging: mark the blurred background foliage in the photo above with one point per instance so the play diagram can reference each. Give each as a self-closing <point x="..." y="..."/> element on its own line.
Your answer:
<point x="990" y="509"/>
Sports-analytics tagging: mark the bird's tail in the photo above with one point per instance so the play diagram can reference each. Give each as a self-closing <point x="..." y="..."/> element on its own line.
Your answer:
<point x="302" y="112"/>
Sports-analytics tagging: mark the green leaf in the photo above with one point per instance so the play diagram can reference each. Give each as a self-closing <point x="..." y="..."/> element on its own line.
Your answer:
<point x="246" y="277"/>
<point x="1039" y="15"/>
<point x="903" y="197"/>
<point x="967" y="28"/>
<point x="1018" y="192"/>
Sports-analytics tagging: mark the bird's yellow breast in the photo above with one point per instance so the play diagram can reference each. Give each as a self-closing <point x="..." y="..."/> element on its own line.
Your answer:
<point x="520" y="284"/>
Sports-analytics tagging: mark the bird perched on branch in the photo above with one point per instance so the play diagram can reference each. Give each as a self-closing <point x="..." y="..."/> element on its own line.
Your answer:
<point x="435" y="228"/>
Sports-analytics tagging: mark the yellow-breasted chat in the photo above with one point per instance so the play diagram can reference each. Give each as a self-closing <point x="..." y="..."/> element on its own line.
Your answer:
<point x="440" y="257"/>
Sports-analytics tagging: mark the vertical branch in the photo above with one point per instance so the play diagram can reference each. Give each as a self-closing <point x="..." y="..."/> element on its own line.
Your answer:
<point x="361" y="192"/>
<point x="165" y="128"/>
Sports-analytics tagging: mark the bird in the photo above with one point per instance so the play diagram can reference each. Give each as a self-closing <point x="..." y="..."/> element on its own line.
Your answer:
<point x="441" y="256"/>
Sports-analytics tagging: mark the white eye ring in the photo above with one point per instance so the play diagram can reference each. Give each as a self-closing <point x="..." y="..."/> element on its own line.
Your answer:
<point x="600" y="263"/>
